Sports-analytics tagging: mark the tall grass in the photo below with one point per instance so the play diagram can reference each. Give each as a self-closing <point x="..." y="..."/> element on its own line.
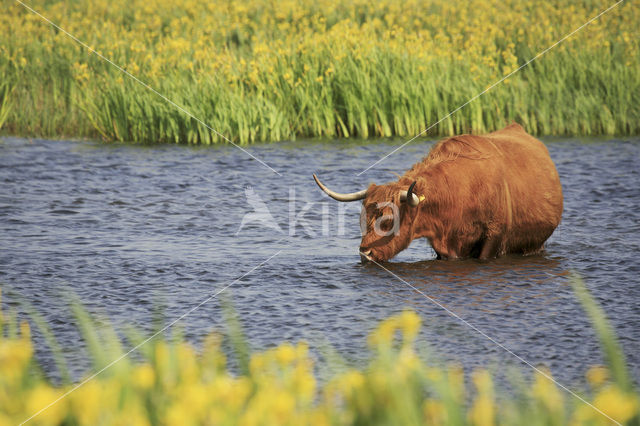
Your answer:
<point x="267" y="71"/>
<point x="172" y="383"/>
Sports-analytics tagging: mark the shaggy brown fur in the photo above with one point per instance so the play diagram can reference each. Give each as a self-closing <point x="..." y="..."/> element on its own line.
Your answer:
<point x="485" y="196"/>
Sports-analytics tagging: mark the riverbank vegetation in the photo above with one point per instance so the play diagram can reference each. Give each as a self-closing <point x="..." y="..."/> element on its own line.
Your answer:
<point x="170" y="382"/>
<point x="266" y="70"/>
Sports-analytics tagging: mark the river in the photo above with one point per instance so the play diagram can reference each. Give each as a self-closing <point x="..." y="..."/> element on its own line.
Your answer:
<point x="129" y="228"/>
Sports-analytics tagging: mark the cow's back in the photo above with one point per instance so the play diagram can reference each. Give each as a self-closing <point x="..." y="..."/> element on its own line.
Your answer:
<point x="502" y="185"/>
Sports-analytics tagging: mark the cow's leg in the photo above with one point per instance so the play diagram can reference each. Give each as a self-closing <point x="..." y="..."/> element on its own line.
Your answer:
<point x="535" y="251"/>
<point x="441" y="249"/>
<point x="490" y="248"/>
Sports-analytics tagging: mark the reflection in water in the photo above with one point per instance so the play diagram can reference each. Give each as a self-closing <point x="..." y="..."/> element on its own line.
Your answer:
<point x="509" y="299"/>
<point x="490" y="286"/>
<point x="126" y="228"/>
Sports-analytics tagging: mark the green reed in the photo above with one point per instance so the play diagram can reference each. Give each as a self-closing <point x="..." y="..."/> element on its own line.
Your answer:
<point x="317" y="89"/>
<point x="379" y="96"/>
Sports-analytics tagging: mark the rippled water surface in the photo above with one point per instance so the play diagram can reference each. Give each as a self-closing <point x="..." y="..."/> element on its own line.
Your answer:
<point x="128" y="228"/>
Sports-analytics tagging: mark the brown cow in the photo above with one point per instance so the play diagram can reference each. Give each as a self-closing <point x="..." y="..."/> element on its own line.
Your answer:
<point x="472" y="196"/>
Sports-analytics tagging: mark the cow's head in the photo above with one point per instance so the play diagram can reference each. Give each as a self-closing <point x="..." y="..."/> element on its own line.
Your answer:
<point x="386" y="219"/>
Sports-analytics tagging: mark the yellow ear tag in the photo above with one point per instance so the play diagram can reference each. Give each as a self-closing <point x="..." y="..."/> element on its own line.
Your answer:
<point x="421" y="197"/>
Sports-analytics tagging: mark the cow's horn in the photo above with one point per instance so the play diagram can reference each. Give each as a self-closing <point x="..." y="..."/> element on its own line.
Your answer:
<point x="354" y="196"/>
<point x="409" y="197"/>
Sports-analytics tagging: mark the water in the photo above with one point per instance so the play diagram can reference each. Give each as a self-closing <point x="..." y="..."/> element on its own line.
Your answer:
<point x="128" y="228"/>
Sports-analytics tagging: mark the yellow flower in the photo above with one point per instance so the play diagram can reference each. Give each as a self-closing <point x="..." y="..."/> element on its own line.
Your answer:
<point x="455" y="376"/>
<point x="196" y="398"/>
<point x="133" y="68"/>
<point x="302" y="351"/>
<point x="45" y="397"/>
<point x="597" y="375"/>
<point x="143" y="376"/>
<point x="616" y="404"/>
<point x="434" y="412"/>
<point x="257" y="364"/>
<point x="482" y="381"/>
<point x="25" y="331"/>
<point x="5" y="420"/>
<point x="188" y="364"/>
<point x="433" y="374"/>
<point x="483" y="410"/>
<point x="383" y="335"/>
<point x="545" y="390"/>
<point x="87" y="402"/>
<point x="283" y="404"/>
<point x="15" y="356"/>
<point x="352" y="380"/>
<point x="285" y="354"/>
<point x="409" y="322"/>
<point x="304" y="385"/>
<point x="179" y="413"/>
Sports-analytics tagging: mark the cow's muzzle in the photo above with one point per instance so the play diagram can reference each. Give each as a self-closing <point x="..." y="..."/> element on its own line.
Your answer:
<point x="365" y="256"/>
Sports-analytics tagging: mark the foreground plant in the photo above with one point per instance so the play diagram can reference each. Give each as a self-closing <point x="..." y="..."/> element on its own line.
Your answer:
<point x="174" y="384"/>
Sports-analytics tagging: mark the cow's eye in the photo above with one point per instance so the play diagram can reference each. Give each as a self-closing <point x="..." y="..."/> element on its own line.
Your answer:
<point x="386" y="224"/>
